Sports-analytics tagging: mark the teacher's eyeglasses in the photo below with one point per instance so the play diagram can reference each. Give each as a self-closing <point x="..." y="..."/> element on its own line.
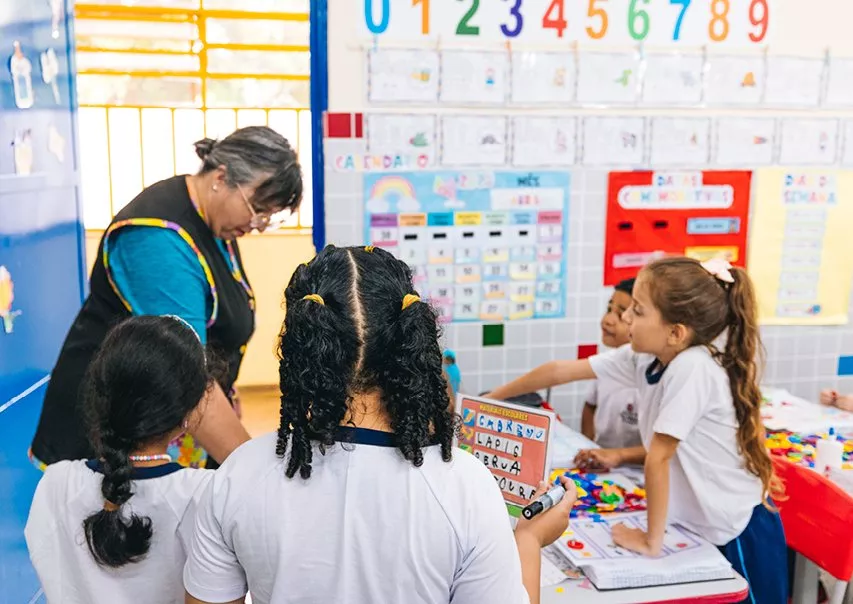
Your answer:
<point x="259" y="221"/>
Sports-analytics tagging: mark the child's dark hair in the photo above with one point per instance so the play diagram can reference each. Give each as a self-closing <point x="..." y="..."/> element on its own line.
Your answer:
<point x="687" y="294"/>
<point x="147" y="377"/>
<point x="625" y="286"/>
<point x="353" y="326"/>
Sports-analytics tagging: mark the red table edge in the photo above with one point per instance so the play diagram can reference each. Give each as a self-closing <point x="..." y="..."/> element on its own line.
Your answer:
<point x="730" y="598"/>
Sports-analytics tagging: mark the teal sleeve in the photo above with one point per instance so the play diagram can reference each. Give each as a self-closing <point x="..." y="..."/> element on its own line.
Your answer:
<point x="157" y="273"/>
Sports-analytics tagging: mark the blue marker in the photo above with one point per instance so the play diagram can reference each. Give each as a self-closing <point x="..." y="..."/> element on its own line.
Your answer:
<point x="544" y="502"/>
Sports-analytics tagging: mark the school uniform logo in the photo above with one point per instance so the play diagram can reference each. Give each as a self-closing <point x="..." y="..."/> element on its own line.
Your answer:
<point x="629" y="415"/>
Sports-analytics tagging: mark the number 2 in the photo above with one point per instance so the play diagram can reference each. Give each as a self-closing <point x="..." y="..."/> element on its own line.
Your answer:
<point x="763" y="22"/>
<point x="515" y="11"/>
<point x="685" y="4"/>
<point x="602" y="15"/>
<point x="424" y="15"/>
<point x="719" y="16"/>
<point x="464" y="29"/>
<point x="559" y="23"/>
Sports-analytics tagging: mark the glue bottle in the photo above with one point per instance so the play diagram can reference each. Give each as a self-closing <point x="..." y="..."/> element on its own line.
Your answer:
<point x="829" y="453"/>
<point x="22" y="78"/>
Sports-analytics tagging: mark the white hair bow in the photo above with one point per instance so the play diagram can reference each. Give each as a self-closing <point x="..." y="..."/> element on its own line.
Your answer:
<point x="720" y="268"/>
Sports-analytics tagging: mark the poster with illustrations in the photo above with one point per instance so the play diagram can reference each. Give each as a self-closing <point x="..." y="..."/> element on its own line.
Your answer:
<point x="745" y="141"/>
<point x="701" y="214"/>
<point x="800" y="236"/>
<point x="402" y="76"/>
<point x="734" y="80"/>
<point x="608" y="78"/>
<point x="808" y="142"/>
<point x="543" y="78"/>
<point x="680" y="141"/>
<point x="403" y="135"/>
<point x="474" y="140"/>
<point x="474" y="78"/>
<point x="613" y="141"/>
<point x="512" y="441"/>
<point x="483" y="245"/>
<point x="544" y="141"/>
<point x="672" y="79"/>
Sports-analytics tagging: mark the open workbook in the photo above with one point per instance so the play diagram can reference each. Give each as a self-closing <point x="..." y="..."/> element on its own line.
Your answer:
<point x="686" y="558"/>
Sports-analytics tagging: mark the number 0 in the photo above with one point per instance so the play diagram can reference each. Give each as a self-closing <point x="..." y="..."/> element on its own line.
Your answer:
<point x="383" y="22"/>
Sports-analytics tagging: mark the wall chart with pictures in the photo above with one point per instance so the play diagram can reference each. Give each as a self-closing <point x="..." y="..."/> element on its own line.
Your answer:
<point x="483" y="245"/>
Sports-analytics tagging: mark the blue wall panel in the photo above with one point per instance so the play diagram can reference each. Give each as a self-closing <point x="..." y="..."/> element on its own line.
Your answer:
<point x="41" y="247"/>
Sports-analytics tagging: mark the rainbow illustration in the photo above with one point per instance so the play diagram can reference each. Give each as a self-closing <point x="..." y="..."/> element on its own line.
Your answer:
<point x="392" y="189"/>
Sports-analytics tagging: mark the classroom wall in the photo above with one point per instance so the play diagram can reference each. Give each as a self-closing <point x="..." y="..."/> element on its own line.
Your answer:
<point x="802" y="359"/>
<point x="270" y="260"/>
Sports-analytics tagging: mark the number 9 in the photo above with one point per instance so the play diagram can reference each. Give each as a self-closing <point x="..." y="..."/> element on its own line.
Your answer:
<point x="761" y="23"/>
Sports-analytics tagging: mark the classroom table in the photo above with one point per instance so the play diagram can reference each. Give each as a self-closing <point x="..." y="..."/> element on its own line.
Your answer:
<point x="709" y="592"/>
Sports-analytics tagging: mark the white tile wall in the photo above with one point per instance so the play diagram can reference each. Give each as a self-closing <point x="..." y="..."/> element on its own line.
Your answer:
<point x="801" y="359"/>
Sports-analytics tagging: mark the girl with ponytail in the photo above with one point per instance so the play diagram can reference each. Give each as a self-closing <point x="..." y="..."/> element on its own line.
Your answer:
<point x="360" y="496"/>
<point x="116" y="528"/>
<point x="695" y="357"/>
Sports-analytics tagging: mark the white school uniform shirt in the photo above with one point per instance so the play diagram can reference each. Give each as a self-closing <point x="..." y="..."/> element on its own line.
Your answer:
<point x="367" y="526"/>
<point x="710" y="491"/>
<point x="69" y="492"/>
<point x="616" y="415"/>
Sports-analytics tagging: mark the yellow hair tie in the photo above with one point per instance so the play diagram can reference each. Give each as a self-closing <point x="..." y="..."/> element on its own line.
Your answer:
<point x="369" y="249"/>
<point x="305" y="264"/>
<point x="315" y="298"/>
<point x="410" y="299"/>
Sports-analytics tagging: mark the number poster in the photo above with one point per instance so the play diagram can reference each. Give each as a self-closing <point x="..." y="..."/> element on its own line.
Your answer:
<point x="483" y="245"/>
<point x="513" y="442"/>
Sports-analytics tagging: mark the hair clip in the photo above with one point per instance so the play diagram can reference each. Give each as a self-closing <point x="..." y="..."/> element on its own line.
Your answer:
<point x="719" y="268"/>
<point x="410" y="299"/>
<point x="369" y="249"/>
<point x="315" y="298"/>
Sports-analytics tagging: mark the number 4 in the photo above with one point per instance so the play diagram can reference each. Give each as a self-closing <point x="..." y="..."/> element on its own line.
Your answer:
<point x="685" y="4"/>
<point x="559" y="23"/>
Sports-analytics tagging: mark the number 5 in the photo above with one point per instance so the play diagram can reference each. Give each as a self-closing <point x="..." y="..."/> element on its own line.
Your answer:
<point x="602" y="15"/>
<point x="676" y="33"/>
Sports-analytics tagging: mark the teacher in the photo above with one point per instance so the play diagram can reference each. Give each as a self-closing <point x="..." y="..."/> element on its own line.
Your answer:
<point x="173" y="251"/>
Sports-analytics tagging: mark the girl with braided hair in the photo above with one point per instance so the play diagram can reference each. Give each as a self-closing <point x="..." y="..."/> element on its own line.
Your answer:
<point x="360" y="496"/>
<point x="117" y="528"/>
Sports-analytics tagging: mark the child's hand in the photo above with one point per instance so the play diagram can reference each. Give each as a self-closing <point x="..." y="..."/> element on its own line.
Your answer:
<point x="598" y="459"/>
<point x="844" y="402"/>
<point x="828" y="397"/>
<point x="633" y="539"/>
<point x="549" y="526"/>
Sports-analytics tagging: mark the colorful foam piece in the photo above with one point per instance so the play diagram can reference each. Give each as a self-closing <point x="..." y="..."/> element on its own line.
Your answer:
<point x="800" y="448"/>
<point x="598" y="496"/>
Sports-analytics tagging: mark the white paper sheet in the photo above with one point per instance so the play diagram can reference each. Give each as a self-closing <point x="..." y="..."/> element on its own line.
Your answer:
<point x="745" y="141"/>
<point x="672" y="79"/>
<point x="734" y="80"/>
<point x="543" y="78"/>
<point x="793" y="82"/>
<point x="474" y="77"/>
<point x="847" y="145"/>
<point x="402" y="76"/>
<point x="544" y="141"/>
<point x="613" y="141"/>
<point x="839" y="87"/>
<point x="405" y="135"/>
<point x="473" y="140"/>
<point x="608" y="78"/>
<point x="809" y="142"/>
<point x="679" y="141"/>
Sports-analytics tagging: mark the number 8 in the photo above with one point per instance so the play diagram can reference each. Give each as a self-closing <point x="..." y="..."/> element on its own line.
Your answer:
<point x="719" y="17"/>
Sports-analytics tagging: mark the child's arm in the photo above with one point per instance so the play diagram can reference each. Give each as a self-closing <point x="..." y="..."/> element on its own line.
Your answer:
<point x="545" y="376"/>
<point x="588" y="421"/>
<point x="657" y="492"/>
<point x="610" y="458"/>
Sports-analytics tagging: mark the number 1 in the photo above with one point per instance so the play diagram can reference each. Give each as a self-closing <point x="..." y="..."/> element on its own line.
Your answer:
<point x="424" y="15"/>
<point x="684" y="6"/>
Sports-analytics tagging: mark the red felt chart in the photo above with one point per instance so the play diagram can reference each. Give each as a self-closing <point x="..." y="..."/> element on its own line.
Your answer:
<point x="701" y="214"/>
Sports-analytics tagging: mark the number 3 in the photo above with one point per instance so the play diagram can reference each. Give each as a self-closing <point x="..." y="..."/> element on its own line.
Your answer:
<point x="515" y="11"/>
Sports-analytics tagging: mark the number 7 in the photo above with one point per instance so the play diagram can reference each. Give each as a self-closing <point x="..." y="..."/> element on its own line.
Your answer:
<point x="685" y="4"/>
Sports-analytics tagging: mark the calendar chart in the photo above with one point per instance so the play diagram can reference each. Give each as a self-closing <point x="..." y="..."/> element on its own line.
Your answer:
<point x="483" y="245"/>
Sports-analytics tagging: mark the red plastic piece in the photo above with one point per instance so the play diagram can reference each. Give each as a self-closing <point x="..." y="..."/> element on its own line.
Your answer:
<point x="818" y="518"/>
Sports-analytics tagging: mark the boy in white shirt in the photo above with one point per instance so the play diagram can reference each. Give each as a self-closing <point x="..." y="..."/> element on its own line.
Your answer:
<point x="116" y="530"/>
<point x="610" y="414"/>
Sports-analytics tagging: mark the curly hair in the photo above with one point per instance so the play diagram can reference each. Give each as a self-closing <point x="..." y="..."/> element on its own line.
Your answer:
<point x="360" y="340"/>
<point x="686" y="293"/>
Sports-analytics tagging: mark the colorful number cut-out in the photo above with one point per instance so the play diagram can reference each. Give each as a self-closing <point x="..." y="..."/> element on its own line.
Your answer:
<point x="465" y="28"/>
<point x="424" y="15"/>
<point x="515" y="13"/>
<point x="759" y="22"/>
<point x="593" y="12"/>
<point x="559" y="22"/>
<point x="719" y="17"/>
<point x="685" y="4"/>
<point x="633" y="15"/>
<point x="372" y="26"/>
